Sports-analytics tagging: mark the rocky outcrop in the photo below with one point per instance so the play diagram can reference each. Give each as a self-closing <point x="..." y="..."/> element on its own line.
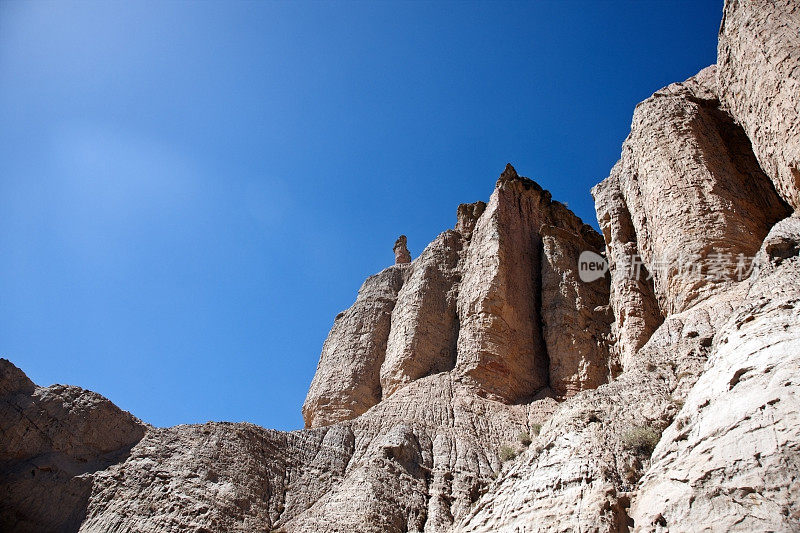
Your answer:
<point x="493" y="300"/>
<point x="730" y="459"/>
<point x="487" y="386"/>
<point x="632" y="297"/>
<point x="580" y="471"/>
<point x="502" y="349"/>
<point x="694" y="190"/>
<point x="684" y="210"/>
<point x="759" y="80"/>
<point x="53" y="439"/>
<point x="467" y="216"/>
<point x="576" y="318"/>
<point x="347" y="381"/>
<point x="401" y="253"/>
<point x="424" y="325"/>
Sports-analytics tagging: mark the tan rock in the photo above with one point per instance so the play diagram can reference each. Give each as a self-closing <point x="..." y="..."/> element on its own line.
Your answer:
<point x="576" y="318"/>
<point x="759" y="80"/>
<point x="579" y="473"/>
<point x="424" y="325"/>
<point x="632" y="298"/>
<point x="53" y="439"/>
<point x="695" y="193"/>
<point x="401" y="253"/>
<point x="502" y="350"/>
<point x="729" y="461"/>
<point x="467" y="216"/>
<point x="448" y="364"/>
<point x="347" y="381"/>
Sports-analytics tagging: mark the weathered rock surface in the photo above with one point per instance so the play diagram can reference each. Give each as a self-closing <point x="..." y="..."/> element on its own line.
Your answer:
<point x="424" y="326"/>
<point x="684" y="210"/>
<point x="640" y="404"/>
<point x="401" y="253"/>
<point x="502" y="347"/>
<point x="576" y="318"/>
<point x="759" y="80"/>
<point x="578" y="474"/>
<point x="632" y="298"/>
<point x="730" y="460"/>
<point x="694" y="190"/>
<point x="347" y="381"/>
<point x="53" y="439"/>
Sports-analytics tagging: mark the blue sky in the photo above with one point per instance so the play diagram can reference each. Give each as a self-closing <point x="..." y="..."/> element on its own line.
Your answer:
<point x="190" y="192"/>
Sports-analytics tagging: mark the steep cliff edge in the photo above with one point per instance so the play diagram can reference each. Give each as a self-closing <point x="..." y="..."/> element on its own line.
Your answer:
<point x="486" y="386"/>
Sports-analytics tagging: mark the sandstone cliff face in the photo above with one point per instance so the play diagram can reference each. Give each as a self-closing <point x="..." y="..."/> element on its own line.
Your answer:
<point x="502" y="346"/>
<point x="632" y="298"/>
<point x="347" y="382"/>
<point x="53" y="439"/>
<point x="424" y="325"/>
<point x="686" y="205"/>
<point x="634" y="403"/>
<point x="729" y="461"/>
<point x="759" y="80"/>
<point x="694" y="190"/>
<point x="576" y="317"/>
<point x="494" y="301"/>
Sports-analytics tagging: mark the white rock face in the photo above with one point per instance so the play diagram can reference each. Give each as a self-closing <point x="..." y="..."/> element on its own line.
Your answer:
<point x="729" y="461"/>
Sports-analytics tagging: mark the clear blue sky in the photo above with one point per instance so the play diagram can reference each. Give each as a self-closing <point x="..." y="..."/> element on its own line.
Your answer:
<point x="190" y="192"/>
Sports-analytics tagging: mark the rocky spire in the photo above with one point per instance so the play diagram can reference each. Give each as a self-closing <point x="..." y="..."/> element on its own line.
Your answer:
<point x="401" y="254"/>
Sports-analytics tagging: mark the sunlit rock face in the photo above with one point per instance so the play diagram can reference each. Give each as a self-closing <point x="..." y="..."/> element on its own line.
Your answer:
<point x="485" y="386"/>
<point x="758" y="83"/>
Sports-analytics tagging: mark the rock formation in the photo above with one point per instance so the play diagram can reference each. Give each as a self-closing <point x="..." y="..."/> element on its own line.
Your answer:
<point x="54" y="439"/>
<point x="484" y="386"/>
<point x="401" y="253"/>
<point x="758" y="54"/>
<point x="347" y="382"/>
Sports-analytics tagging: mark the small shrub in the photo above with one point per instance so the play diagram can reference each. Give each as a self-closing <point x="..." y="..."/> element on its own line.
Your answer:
<point x="507" y="453"/>
<point x="641" y="440"/>
<point x="524" y="439"/>
<point x="536" y="428"/>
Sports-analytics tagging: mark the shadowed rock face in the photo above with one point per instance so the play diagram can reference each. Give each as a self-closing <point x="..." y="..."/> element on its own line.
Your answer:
<point x="757" y="59"/>
<point x="53" y="439"/>
<point x="448" y="362"/>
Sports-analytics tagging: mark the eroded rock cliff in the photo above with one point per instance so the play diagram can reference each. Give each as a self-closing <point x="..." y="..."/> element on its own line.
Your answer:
<point x="484" y="386"/>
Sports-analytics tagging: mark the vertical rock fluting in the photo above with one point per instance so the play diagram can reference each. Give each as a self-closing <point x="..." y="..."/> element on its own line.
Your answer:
<point x="576" y="318"/>
<point x="424" y="324"/>
<point x="500" y="345"/>
<point x="347" y="381"/>
<point x="503" y="349"/>
<point x="695" y="192"/>
<point x="632" y="298"/>
<point x="759" y="82"/>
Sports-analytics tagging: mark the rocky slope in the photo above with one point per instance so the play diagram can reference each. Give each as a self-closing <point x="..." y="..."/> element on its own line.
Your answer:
<point x="483" y="386"/>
